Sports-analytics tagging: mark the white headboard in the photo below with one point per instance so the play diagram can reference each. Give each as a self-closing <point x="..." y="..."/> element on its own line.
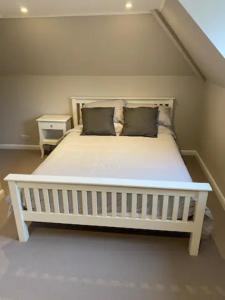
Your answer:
<point x="79" y="102"/>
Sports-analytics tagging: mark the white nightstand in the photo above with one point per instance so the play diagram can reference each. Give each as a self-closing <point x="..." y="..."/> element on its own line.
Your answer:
<point x="52" y="128"/>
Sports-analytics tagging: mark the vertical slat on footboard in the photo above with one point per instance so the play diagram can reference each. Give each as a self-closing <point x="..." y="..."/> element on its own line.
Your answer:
<point x="124" y="204"/>
<point x="84" y="203"/>
<point x="114" y="204"/>
<point x="134" y="205"/>
<point x="27" y="198"/>
<point x="65" y="201"/>
<point x="175" y="208"/>
<point x="37" y="200"/>
<point x="104" y="203"/>
<point x="144" y="206"/>
<point x="94" y="203"/>
<point x="75" y="202"/>
<point x="165" y="207"/>
<point x="56" y="200"/>
<point x="186" y="208"/>
<point x="46" y="200"/>
<point x="154" y="206"/>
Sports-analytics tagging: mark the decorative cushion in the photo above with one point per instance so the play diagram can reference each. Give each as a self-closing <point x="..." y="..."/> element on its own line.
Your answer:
<point x="140" y="121"/>
<point x="164" y="113"/>
<point x="117" y="104"/>
<point x="98" y="121"/>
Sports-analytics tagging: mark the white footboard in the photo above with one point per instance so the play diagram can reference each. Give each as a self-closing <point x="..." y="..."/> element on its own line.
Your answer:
<point x="109" y="202"/>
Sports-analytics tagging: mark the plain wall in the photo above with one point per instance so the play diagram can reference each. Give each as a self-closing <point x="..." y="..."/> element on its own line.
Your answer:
<point x="92" y="45"/>
<point x="24" y="98"/>
<point x="212" y="133"/>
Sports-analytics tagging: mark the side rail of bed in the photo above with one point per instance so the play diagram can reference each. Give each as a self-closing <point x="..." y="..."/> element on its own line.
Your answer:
<point x="156" y="205"/>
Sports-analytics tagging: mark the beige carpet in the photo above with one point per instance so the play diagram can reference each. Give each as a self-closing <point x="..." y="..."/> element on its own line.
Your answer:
<point x="70" y="262"/>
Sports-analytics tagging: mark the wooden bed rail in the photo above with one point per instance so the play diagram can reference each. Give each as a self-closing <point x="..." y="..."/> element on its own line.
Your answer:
<point x="143" y="204"/>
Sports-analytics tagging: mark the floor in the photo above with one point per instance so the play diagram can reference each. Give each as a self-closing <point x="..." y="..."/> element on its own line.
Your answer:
<point x="70" y="262"/>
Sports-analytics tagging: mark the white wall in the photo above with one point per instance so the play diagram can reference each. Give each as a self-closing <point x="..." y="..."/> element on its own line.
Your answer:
<point x="24" y="98"/>
<point x="88" y="46"/>
<point x="212" y="132"/>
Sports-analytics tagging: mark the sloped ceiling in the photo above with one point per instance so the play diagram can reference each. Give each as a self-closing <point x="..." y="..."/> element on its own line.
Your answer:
<point x="210" y="16"/>
<point x="204" y="53"/>
<point x="94" y="45"/>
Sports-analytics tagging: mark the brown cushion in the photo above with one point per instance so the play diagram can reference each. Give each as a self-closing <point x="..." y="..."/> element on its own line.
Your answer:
<point x="98" y="121"/>
<point x="140" y="121"/>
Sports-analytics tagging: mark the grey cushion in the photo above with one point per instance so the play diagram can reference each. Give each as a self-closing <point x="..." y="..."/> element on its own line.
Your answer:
<point x="140" y="121"/>
<point x="118" y="104"/>
<point x="98" y="121"/>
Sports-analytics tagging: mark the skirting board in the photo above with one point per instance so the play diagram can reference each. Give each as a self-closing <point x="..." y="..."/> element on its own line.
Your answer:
<point x="208" y="174"/>
<point x="195" y="153"/>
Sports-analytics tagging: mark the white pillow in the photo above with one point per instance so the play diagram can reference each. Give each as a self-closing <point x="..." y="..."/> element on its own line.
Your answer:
<point x="164" y="113"/>
<point x="165" y="116"/>
<point x="78" y="129"/>
<point x="118" y="104"/>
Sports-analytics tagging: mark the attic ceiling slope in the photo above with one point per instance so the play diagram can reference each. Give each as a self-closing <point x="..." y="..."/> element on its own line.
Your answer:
<point x="210" y="16"/>
<point x="204" y="53"/>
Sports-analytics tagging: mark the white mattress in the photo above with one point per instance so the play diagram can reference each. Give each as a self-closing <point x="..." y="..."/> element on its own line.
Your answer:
<point x="117" y="157"/>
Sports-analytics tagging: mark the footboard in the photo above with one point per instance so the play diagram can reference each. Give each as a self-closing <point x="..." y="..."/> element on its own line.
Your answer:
<point x="156" y="205"/>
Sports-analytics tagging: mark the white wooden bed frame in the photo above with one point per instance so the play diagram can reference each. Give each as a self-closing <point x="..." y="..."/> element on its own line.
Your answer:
<point x="58" y="192"/>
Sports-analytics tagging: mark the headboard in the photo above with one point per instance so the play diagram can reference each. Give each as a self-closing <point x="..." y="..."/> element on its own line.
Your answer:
<point x="79" y="102"/>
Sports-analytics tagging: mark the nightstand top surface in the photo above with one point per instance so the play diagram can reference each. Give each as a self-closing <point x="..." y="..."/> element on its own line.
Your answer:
<point x="54" y="118"/>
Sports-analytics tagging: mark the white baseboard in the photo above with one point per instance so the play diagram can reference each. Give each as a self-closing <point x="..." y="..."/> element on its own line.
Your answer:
<point x="19" y="147"/>
<point x="211" y="179"/>
<point x="188" y="152"/>
<point x="208" y="174"/>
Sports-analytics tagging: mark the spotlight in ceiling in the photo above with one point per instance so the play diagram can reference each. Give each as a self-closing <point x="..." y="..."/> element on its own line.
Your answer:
<point x="23" y="10"/>
<point x="129" y="5"/>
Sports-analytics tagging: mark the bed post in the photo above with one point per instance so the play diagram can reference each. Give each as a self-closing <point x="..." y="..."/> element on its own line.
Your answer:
<point x="198" y="222"/>
<point x="22" y="228"/>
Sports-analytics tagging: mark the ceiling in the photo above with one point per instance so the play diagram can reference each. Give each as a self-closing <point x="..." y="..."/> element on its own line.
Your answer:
<point x="52" y="8"/>
<point x="201" y="49"/>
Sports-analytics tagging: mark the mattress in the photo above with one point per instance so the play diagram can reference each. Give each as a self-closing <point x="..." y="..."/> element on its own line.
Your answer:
<point x="117" y="157"/>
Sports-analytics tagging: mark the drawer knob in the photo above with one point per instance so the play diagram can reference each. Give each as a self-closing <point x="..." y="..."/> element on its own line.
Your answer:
<point x="50" y="126"/>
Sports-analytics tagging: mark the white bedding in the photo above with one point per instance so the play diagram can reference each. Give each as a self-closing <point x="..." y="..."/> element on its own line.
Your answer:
<point x="117" y="157"/>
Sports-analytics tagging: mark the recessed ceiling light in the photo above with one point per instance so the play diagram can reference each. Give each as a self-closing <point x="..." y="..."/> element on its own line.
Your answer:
<point x="23" y="10"/>
<point x="129" y="5"/>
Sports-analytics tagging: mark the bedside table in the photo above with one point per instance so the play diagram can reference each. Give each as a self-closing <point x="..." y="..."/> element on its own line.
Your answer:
<point x="52" y="128"/>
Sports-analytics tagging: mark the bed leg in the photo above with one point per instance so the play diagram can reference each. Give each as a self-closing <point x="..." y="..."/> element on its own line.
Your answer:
<point x="198" y="222"/>
<point x="22" y="228"/>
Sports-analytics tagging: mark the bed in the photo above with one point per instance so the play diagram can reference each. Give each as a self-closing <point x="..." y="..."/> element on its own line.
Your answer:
<point x="116" y="181"/>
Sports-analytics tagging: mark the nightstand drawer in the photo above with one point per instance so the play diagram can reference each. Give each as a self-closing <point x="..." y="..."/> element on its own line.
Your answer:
<point x="52" y="125"/>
